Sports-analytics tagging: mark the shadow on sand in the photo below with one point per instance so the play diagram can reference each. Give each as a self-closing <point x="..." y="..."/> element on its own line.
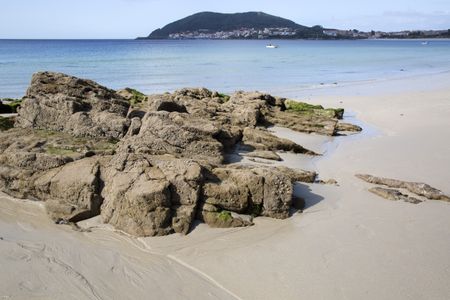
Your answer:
<point x="303" y="191"/>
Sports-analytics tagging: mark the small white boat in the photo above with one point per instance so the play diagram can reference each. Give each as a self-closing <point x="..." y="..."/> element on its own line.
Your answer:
<point x="425" y="43"/>
<point x="271" y="46"/>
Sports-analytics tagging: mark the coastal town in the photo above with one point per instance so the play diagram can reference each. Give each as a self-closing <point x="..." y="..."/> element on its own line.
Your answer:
<point x="243" y="33"/>
<point x="292" y="33"/>
<point x="411" y="34"/>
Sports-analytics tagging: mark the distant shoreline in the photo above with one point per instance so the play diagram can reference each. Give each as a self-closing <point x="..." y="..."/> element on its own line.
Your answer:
<point x="274" y="39"/>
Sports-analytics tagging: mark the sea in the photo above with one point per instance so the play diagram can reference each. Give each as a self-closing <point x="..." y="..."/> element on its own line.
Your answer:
<point x="157" y="66"/>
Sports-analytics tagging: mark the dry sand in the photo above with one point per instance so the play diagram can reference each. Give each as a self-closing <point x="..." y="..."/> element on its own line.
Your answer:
<point x="348" y="243"/>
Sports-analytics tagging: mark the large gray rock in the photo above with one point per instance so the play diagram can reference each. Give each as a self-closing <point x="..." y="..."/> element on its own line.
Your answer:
<point x="71" y="192"/>
<point x="186" y="178"/>
<point x="151" y="195"/>
<point x="59" y="102"/>
<point x="136" y="198"/>
<point x="250" y="190"/>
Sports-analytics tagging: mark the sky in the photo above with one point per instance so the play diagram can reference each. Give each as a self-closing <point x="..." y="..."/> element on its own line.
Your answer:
<point x="90" y="19"/>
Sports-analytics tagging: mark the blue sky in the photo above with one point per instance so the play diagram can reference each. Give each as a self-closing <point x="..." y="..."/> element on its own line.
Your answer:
<point x="131" y="18"/>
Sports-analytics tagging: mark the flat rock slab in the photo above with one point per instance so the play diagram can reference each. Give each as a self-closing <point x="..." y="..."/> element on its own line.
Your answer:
<point x="394" y="195"/>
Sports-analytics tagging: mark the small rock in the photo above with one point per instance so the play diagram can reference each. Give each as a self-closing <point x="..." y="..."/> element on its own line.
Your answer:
<point x="226" y="219"/>
<point x="329" y="181"/>
<point x="270" y="155"/>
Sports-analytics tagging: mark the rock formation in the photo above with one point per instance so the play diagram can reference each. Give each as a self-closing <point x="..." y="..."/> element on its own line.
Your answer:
<point x="418" y="188"/>
<point x="151" y="165"/>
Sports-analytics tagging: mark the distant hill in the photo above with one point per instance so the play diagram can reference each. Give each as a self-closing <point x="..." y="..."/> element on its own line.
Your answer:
<point x="205" y="24"/>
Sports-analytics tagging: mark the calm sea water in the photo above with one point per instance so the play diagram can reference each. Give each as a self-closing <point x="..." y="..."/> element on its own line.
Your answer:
<point x="159" y="66"/>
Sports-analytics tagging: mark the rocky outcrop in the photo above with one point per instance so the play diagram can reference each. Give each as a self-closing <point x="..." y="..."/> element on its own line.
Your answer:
<point x="418" y="188"/>
<point x="80" y="107"/>
<point x="150" y="165"/>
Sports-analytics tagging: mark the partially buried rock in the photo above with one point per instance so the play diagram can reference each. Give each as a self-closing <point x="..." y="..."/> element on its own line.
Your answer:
<point x="225" y="219"/>
<point x="418" y="188"/>
<point x="394" y="195"/>
<point x="347" y="127"/>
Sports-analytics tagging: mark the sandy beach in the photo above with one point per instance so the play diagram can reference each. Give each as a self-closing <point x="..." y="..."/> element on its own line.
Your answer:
<point x="347" y="244"/>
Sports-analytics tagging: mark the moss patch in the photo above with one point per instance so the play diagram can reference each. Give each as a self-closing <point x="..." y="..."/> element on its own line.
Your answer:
<point x="53" y="150"/>
<point x="137" y="97"/>
<point x="301" y="106"/>
<point x="224" y="98"/>
<point x="224" y="215"/>
<point x="6" y="123"/>
<point x="306" y="108"/>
